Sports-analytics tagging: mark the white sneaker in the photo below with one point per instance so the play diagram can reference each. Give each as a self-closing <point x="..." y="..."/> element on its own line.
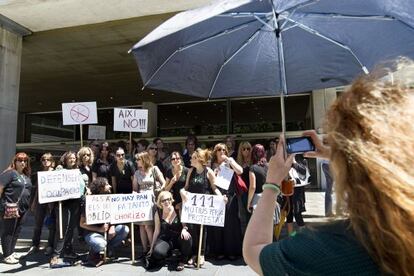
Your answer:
<point x="16" y="256"/>
<point x="10" y="260"/>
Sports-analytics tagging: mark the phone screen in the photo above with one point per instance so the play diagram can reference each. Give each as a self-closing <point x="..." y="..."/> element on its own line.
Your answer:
<point x="299" y="145"/>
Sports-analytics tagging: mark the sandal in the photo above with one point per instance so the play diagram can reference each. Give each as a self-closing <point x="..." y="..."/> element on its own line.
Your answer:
<point x="180" y="266"/>
<point x="201" y="261"/>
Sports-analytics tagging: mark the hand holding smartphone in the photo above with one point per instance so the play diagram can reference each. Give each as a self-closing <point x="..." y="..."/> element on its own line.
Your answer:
<point x="299" y="145"/>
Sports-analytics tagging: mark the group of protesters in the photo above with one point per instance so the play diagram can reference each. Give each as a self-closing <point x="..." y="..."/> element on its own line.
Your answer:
<point x="134" y="167"/>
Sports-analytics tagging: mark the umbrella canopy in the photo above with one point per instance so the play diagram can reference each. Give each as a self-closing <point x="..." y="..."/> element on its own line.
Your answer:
<point x="251" y="48"/>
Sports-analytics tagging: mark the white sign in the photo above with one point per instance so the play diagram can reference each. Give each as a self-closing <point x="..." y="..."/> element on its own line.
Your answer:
<point x="132" y="207"/>
<point x="96" y="132"/>
<point x="79" y="113"/>
<point x="58" y="185"/>
<point x="204" y="209"/>
<point x="130" y="120"/>
<point x="224" y="176"/>
<point x="98" y="209"/>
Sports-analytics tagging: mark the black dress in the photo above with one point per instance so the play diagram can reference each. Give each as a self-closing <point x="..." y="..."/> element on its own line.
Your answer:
<point x="124" y="177"/>
<point x="102" y="169"/>
<point x="175" y="190"/>
<point x="227" y="240"/>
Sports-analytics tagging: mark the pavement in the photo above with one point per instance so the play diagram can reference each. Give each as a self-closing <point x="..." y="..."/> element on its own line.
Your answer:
<point x="38" y="263"/>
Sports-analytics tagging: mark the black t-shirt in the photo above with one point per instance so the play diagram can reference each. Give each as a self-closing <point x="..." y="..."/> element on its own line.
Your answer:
<point x="175" y="190"/>
<point x="88" y="172"/>
<point x="187" y="159"/>
<point x="16" y="186"/>
<point x="245" y="176"/>
<point x="124" y="177"/>
<point x="102" y="169"/>
<point x="260" y="173"/>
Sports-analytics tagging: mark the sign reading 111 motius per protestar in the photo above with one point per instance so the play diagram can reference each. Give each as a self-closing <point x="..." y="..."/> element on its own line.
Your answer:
<point x="130" y="120"/>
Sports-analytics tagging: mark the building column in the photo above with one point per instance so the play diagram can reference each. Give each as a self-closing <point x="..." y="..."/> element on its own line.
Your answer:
<point x="10" y="60"/>
<point x="152" y="119"/>
<point x="322" y="100"/>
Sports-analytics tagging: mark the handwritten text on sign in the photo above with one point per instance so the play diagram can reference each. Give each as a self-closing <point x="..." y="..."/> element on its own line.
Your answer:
<point x="119" y="208"/>
<point x="204" y="209"/>
<point x="224" y="177"/>
<point x="58" y="185"/>
<point x="130" y="120"/>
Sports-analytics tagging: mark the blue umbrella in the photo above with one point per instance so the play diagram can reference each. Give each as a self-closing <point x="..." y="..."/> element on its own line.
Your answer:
<point x="279" y="47"/>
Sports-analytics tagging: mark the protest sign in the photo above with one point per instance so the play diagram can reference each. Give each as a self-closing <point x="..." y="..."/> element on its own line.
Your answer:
<point x="130" y="120"/>
<point x="132" y="207"/>
<point x="79" y="113"/>
<point x="224" y="177"/>
<point x="96" y="132"/>
<point x="98" y="209"/>
<point x="204" y="209"/>
<point x="58" y="185"/>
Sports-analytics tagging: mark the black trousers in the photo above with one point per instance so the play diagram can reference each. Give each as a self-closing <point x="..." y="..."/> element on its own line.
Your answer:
<point x="10" y="233"/>
<point x="162" y="249"/>
<point x="41" y="211"/>
<point x="70" y="219"/>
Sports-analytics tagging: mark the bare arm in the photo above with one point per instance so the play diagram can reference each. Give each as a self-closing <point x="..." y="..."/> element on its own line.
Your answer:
<point x="156" y="230"/>
<point x="160" y="177"/>
<point x="169" y="183"/>
<point x="235" y="166"/>
<point x="212" y="178"/>
<point x="259" y="231"/>
<point x="252" y="189"/>
<point x="92" y="228"/>
<point x="135" y="186"/>
<point x="187" y="183"/>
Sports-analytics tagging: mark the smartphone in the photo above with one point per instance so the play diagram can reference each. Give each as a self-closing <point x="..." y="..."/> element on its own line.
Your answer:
<point x="299" y="145"/>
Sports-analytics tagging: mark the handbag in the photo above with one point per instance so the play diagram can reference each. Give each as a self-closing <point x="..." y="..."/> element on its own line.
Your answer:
<point x="241" y="186"/>
<point x="11" y="209"/>
<point x="157" y="184"/>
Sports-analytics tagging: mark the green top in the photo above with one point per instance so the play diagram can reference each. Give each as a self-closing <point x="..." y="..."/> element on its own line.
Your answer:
<point x="329" y="249"/>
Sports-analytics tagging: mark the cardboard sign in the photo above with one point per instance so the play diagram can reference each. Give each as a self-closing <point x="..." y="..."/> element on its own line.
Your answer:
<point x="96" y="132"/>
<point x="204" y="209"/>
<point x="132" y="207"/>
<point x="79" y="113"/>
<point x="224" y="177"/>
<point x="58" y="185"/>
<point x="98" y="209"/>
<point x="119" y="208"/>
<point x="130" y="120"/>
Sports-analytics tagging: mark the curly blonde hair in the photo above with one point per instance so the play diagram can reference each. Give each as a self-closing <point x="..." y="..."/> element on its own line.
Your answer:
<point x="84" y="151"/>
<point x="371" y="133"/>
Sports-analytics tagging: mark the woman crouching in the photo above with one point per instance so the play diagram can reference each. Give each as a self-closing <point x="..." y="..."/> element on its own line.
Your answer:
<point x="94" y="234"/>
<point x="169" y="235"/>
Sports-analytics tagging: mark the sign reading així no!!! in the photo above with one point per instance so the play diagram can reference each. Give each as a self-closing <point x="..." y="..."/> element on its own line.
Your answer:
<point x="130" y="120"/>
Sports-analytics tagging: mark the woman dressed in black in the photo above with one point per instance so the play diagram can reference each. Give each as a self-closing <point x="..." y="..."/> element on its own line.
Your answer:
<point x="15" y="187"/>
<point x="169" y="234"/>
<point x="122" y="172"/>
<point x="200" y="180"/>
<point x="101" y="167"/>
<point x="175" y="178"/>
<point x="226" y="241"/>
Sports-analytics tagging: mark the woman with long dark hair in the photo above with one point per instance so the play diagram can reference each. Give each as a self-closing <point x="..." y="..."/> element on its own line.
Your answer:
<point x="101" y="166"/>
<point x="122" y="173"/>
<point x="15" y="189"/>
<point x="176" y="177"/>
<point x="257" y="176"/>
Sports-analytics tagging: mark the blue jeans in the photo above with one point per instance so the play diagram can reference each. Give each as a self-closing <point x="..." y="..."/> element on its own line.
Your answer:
<point x="97" y="242"/>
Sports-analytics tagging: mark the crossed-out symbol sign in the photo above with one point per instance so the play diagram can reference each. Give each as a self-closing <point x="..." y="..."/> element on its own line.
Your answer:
<point x="79" y="113"/>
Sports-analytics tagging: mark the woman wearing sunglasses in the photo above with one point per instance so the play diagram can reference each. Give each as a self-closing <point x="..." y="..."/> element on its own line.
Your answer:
<point x="85" y="160"/>
<point x="244" y="159"/>
<point x="201" y="180"/>
<point x="153" y="154"/>
<point x="169" y="234"/>
<point x="43" y="210"/>
<point x="15" y="188"/>
<point x="175" y="178"/>
<point x="122" y="173"/>
<point x="101" y="166"/>
<point x="226" y="241"/>
<point x="147" y="178"/>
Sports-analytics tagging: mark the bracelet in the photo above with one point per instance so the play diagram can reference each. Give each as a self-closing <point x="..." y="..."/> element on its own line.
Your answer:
<point x="273" y="187"/>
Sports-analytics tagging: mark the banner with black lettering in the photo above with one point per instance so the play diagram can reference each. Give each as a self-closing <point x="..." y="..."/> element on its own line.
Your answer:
<point x="204" y="209"/>
<point x="58" y="185"/>
<point x="130" y="120"/>
<point x="119" y="208"/>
